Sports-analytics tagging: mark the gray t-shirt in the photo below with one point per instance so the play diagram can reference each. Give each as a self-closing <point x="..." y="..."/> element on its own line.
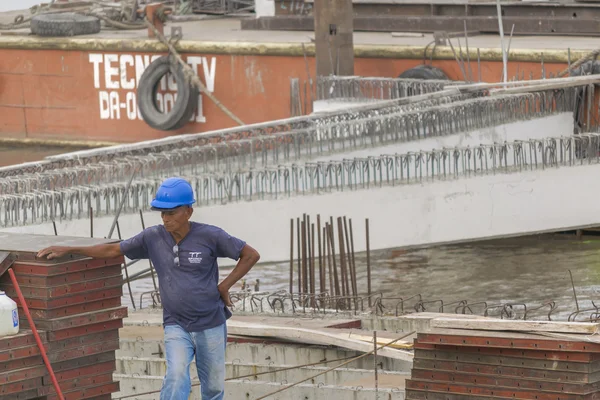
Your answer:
<point x="188" y="291"/>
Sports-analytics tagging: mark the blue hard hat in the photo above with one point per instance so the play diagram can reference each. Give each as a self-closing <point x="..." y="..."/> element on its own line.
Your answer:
<point x="173" y="193"/>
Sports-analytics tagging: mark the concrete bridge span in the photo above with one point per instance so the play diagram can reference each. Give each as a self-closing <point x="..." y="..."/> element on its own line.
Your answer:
<point x="526" y="191"/>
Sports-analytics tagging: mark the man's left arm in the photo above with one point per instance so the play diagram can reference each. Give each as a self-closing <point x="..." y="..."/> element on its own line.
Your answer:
<point x="248" y="257"/>
<point x="236" y="249"/>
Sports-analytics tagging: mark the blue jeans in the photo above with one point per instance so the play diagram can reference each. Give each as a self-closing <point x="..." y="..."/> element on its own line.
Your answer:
<point x="209" y="348"/>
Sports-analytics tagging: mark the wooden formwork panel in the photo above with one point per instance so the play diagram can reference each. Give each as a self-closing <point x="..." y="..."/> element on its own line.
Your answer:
<point x="412" y="394"/>
<point x="35" y="280"/>
<point x="22" y="339"/>
<point x="78" y="320"/>
<point x="82" y="371"/>
<point x="492" y="381"/>
<point x="81" y="362"/>
<point x="101" y="397"/>
<point x="567" y="366"/>
<point x="38" y="314"/>
<point x="78" y="341"/>
<point x="20" y="386"/>
<point x="506" y="371"/>
<point x="83" y="351"/>
<point x="443" y="387"/>
<point x="75" y="299"/>
<point x="51" y="269"/>
<point x="82" y="381"/>
<point x="23" y="374"/>
<point x="87" y="392"/>
<point x="519" y="353"/>
<point x="12" y="365"/>
<point x="18" y="353"/>
<point x="87" y="329"/>
<point x="63" y="290"/>
<point x="510" y="341"/>
<point x="24" y="395"/>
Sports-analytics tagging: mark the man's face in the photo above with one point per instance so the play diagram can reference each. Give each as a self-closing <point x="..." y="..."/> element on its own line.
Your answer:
<point x="177" y="218"/>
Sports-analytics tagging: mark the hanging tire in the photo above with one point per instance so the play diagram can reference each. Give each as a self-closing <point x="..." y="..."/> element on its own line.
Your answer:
<point x="67" y="24"/>
<point x="185" y="103"/>
<point x="424" y="72"/>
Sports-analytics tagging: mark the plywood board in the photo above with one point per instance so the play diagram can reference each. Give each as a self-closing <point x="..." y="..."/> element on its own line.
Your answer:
<point x="312" y="335"/>
<point x="495" y="324"/>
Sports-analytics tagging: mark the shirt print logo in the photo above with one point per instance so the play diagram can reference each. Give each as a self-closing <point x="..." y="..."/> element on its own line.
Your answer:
<point x="195" y="257"/>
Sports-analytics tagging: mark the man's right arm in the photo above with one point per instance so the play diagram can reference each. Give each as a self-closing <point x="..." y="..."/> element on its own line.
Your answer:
<point x="111" y="250"/>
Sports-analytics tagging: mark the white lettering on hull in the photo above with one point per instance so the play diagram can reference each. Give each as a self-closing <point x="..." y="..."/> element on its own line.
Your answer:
<point x="114" y="73"/>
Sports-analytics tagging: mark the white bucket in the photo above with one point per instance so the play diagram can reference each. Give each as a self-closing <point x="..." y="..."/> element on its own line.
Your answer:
<point x="9" y="316"/>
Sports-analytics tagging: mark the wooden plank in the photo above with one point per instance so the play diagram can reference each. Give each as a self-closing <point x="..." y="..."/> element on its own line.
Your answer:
<point x="89" y="370"/>
<point x="15" y="387"/>
<point x="87" y="392"/>
<point x="505" y="371"/>
<point x="381" y="341"/>
<point x="497" y="391"/>
<point x="499" y="361"/>
<point x="496" y="324"/>
<point x="22" y="374"/>
<point x="83" y="351"/>
<point x="575" y="80"/>
<point x="46" y="269"/>
<point x="21" y="339"/>
<point x="545" y="336"/>
<point x="303" y="335"/>
<point x="76" y="299"/>
<point x="519" y="353"/>
<point x="64" y="290"/>
<point x="34" y="280"/>
<point x="523" y="382"/>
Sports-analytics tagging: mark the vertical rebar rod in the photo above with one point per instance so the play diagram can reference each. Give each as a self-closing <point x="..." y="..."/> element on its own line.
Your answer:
<point x="309" y="273"/>
<point x="375" y="364"/>
<point x="353" y="258"/>
<point x="322" y="287"/>
<point x="91" y="222"/>
<point x="313" y="286"/>
<point x="331" y="245"/>
<point x="298" y="235"/>
<point x="327" y="249"/>
<point x="345" y="283"/>
<point x="291" y="255"/>
<point x="349" y="258"/>
<point x="304" y="269"/>
<point x="368" y="260"/>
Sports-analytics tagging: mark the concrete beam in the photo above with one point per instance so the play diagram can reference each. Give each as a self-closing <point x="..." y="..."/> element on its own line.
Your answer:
<point x="343" y="377"/>
<point x="244" y="390"/>
<point x="254" y="353"/>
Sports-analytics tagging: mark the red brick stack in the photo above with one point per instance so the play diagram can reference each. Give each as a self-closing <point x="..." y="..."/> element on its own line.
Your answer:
<point x="76" y="307"/>
<point x="474" y="364"/>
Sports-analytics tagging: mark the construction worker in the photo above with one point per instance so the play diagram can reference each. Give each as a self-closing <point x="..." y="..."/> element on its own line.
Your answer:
<point x="194" y="304"/>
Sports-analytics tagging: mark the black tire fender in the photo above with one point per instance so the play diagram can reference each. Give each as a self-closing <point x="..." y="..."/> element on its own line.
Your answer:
<point x="66" y="24"/>
<point x="424" y="71"/>
<point x="186" y="100"/>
